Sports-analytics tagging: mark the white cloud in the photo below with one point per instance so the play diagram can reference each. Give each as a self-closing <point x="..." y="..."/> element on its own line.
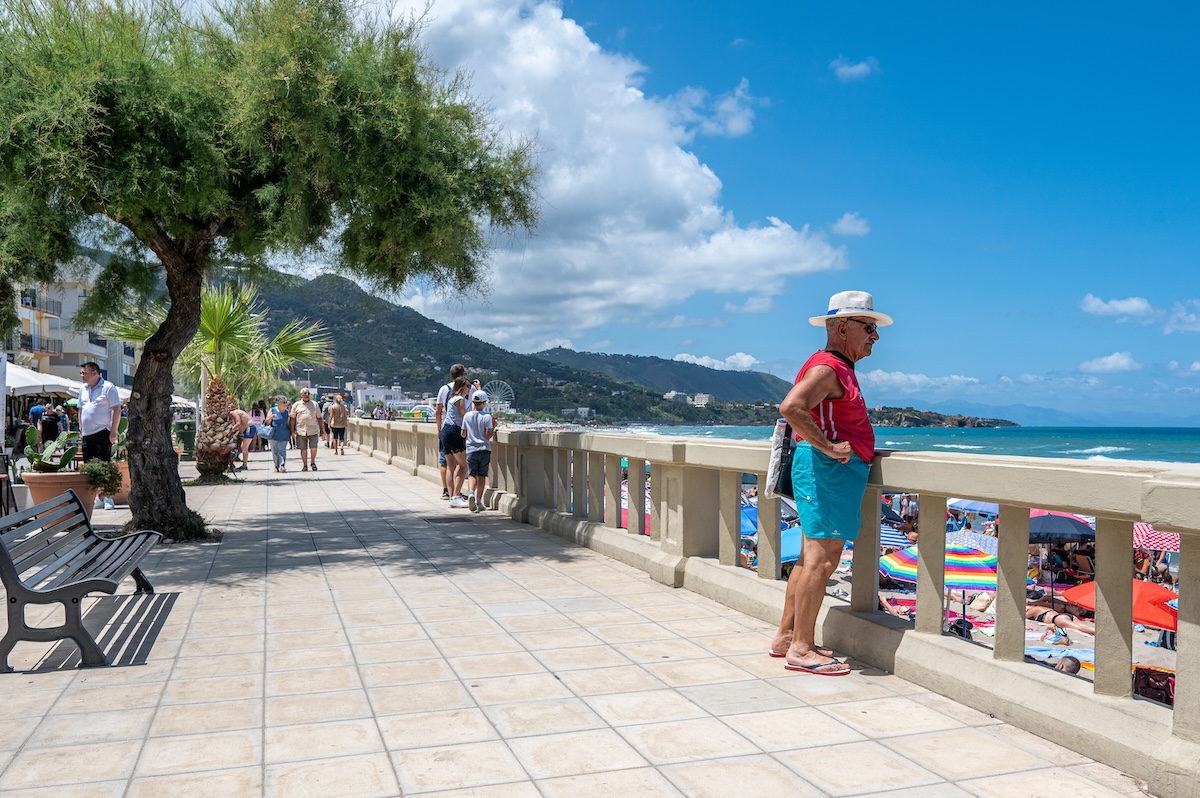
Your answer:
<point x="851" y="224"/>
<point x="679" y="322"/>
<point x="738" y="361"/>
<point x="1133" y="307"/>
<point x="1185" y="317"/>
<point x="901" y="382"/>
<point x="1116" y="363"/>
<point x="632" y="222"/>
<point x="754" y="304"/>
<point x="848" y="71"/>
<point x="730" y="115"/>
<point x="1195" y="367"/>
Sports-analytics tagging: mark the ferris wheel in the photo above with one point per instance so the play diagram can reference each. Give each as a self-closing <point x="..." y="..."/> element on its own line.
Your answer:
<point x="500" y="393"/>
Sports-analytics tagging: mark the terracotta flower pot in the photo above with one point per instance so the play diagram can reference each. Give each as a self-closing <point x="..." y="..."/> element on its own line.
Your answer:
<point x="123" y="496"/>
<point x="45" y="485"/>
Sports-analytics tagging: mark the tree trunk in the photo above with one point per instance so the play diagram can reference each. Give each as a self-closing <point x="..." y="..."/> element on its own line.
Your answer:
<point x="156" y="497"/>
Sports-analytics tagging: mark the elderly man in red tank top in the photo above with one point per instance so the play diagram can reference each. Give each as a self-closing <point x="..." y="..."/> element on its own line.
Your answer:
<point x="836" y="444"/>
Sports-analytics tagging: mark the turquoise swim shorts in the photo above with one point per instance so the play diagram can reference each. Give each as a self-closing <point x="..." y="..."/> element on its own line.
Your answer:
<point x="828" y="494"/>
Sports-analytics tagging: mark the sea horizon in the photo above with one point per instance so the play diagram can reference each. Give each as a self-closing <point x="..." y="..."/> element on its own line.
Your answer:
<point x="1152" y="444"/>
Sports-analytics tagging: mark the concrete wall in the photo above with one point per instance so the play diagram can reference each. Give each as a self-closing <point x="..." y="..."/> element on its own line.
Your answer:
<point x="568" y="483"/>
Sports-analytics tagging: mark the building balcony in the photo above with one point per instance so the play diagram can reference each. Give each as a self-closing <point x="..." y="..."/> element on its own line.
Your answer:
<point x="51" y="306"/>
<point x="96" y="340"/>
<point x="130" y="351"/>
<point x="26" y="342"/>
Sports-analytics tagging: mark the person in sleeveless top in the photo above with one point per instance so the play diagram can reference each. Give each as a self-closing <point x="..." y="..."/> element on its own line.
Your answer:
<point x="439" y="418"/>
<point x="832" y="459"/>
<point x="338" y="420"/>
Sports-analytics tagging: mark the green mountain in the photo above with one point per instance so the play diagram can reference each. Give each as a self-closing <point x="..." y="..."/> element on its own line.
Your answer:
<point x="663" y="375"/>
<point x="386" y="344"/>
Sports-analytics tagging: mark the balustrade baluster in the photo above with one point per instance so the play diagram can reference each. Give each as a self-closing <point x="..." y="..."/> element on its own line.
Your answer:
<point x="729" y="524"/>
<point x="1012" y="573"/>
<point x="931" y="565"/>
<point x="864" y="579"/>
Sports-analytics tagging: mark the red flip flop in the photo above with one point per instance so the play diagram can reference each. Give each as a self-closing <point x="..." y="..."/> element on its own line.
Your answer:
<point x="843" y="668"/>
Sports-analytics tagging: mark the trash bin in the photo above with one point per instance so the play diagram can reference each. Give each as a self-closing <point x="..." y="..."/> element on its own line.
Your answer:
<point x="185" y="433"/>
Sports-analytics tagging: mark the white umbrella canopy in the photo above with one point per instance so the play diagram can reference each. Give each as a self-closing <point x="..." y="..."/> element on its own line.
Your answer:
<point x="27" y="382"/>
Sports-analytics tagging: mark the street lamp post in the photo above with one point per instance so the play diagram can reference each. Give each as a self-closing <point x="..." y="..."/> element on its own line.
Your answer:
<point x="341" y="385"/>
<point x="308" y="376"/>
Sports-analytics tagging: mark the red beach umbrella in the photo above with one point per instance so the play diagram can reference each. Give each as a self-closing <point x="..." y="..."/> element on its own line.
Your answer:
<point x="1147" y="537"/>
<point x="1149" y="603"/>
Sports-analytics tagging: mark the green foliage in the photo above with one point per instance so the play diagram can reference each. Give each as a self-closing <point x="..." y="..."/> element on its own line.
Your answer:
<point x="232" y="341"/>
<point x="104" y="477"/>
<point x="54" y="456"/>
<point x="118" y="449"/>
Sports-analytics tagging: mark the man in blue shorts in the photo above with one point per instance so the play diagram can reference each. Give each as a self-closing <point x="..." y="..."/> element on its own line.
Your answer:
<point x="439" y="418"/>
<point x="829" y="471"/>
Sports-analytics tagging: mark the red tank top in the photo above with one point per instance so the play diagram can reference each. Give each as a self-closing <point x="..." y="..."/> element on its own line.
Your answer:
<point x="843" y="419"/>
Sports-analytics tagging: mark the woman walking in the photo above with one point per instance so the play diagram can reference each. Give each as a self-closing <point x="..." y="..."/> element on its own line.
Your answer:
<point x="338" y="419"/>
<point x="452" y="440"/>
<point x="277" y="420"/>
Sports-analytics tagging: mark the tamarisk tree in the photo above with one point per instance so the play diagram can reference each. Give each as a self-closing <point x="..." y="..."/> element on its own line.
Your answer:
<point x="191" y="138"/>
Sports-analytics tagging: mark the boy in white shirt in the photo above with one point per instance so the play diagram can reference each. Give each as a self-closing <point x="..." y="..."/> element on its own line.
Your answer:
<point x="478" y="428"/>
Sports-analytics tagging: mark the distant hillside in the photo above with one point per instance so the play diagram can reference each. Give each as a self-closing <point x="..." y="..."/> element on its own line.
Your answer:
<point x="664" y="375"/>
<point x="908" y="417"/>
<point x="387" y="344"/>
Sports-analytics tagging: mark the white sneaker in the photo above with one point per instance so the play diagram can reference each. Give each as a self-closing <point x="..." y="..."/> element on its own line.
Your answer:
<point x="472" y="505"/>
<point x="457" y="501"/>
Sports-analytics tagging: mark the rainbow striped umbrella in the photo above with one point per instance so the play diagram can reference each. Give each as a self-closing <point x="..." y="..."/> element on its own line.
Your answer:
<point x="966" y="568"/>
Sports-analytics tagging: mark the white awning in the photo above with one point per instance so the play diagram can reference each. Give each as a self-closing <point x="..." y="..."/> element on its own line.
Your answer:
<point x="27" y="382"/>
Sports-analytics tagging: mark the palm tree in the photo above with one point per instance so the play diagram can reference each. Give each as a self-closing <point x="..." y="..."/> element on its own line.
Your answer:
<point x="232" y="346"/>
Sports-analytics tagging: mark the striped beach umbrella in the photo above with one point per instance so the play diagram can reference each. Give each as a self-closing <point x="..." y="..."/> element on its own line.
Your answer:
<point x="966" y="568"/>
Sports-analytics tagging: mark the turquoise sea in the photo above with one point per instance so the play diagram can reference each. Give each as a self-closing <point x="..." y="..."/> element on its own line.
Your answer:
<point x="1166" y="444"/>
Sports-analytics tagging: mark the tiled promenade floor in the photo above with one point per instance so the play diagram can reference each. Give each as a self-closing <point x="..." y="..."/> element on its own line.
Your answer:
<point x="353" y="636"/>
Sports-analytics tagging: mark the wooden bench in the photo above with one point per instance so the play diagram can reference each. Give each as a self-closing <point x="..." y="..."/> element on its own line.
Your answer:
<point x="50" y="554"/>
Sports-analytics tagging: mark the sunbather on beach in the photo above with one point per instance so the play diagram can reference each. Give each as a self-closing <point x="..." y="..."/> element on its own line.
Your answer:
<point x="1063" y="620"/>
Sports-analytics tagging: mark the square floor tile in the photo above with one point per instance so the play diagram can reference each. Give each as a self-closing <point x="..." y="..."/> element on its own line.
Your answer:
<point x="203" y="784"/>
<point x="507" y="689"/>
<point x="216" y="716"/>
<point x="542" y="717"/>
<point x="457" y="766"/>
<point x="635" y="783"/>
<point x="566" y="659"/>
<point x="164" y="755"/>
<point x="388" y="674"/>
<point x="317" y="707"/>
<point x="988" y="756"/>
<point x="424" y="729"/>
<point x="729" y="778"/>
<point x="647" y="706"/>
<point x="315" y="680"/>
<point x="1037" y="783"/>
<point x="786" y="729"/>
<point x="610" y="680"/>
<point x="881" y="717"/>
<point x="856" y="768"/>
<point x="429" y="697"/>
<point x="687" y="740"/>
<point x="572" y="753"/>
<point x="321" y="740"/>
<point x="488" y="665"/>
<point x="74" y="764"/>
<point x="370" y="776"/>
<point x="684" y="673"/>
<point x="728" y="698"/>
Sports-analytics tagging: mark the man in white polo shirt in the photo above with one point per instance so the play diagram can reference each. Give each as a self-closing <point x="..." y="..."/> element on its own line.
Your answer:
<point x="99" y="413"/>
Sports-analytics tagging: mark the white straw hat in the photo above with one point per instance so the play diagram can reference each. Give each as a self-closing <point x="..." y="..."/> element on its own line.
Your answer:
<point x="851" y="303"/>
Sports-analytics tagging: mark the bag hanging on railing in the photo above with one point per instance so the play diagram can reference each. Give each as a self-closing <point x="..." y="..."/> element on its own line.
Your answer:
<point x="779" y="471"/>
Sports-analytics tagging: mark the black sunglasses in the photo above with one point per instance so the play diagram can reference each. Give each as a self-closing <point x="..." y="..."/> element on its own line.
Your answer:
<point x="870" y="327"/>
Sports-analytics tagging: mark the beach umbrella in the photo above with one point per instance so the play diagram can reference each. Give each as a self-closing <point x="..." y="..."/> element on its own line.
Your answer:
<point x="890" y="538"/>
<point x="972" y="506"/>
<point x="888" y="514"/>
<point x="1149" y="603"/>
<point x="1051" y="526"/>
<point x="1147" y="537"/>
<point x="967" y="568"/>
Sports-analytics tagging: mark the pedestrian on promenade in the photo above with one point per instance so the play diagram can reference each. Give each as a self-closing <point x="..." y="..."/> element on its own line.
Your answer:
<point x="478" y="428"/>
<point x="832" y="459"/>
<point x="307" y="424"/>
<point x="258" y="417"/>
<point x="99" y="413"/>
<point x="452" y="442"/>
<point x="245" y="434"/>
<point x="277" y="420"/>
<point x="439" y="418"/>
<point x="338" y="421"/>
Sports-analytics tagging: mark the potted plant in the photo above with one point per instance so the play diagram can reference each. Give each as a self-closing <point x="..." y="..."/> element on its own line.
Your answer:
<point x="102" y="477"/>
<point x="48" y="474"/>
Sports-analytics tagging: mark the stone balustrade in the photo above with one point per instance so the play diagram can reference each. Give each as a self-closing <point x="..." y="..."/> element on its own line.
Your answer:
<point x="569" y="483"/>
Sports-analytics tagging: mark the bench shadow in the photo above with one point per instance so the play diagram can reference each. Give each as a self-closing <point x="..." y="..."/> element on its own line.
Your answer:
<point x="125" y="627"/>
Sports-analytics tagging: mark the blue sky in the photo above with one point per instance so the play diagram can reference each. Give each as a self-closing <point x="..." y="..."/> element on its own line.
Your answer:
<point x="1017" y="187"/>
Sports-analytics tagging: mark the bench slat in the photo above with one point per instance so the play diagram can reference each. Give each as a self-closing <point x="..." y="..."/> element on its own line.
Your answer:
<point x="30" y="535"/>
<point x="11" y="522"/>
<point x="38" y="581"/>
<point x="101" y="562"/>
<point x="55" y="540"/>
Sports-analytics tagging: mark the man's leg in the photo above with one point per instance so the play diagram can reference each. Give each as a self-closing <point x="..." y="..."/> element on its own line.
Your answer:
<point x="313" y="446"/>
<point x="821" y="556"/>
<point x="444" y="470"/>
